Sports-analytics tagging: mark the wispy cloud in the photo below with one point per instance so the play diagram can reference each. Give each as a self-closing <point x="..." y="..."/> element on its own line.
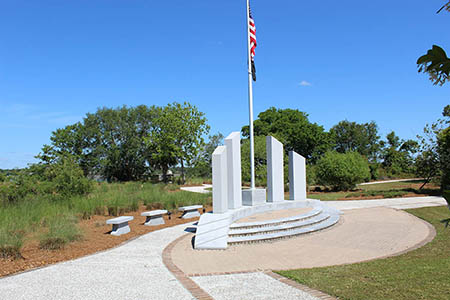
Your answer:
<point x="11" y="160"/>
<point x="28" y="115"/>
<point x="305" y="83"/>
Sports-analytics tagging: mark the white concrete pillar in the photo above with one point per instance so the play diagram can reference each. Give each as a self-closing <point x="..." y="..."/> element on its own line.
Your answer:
<point x="219" y="180"/>
<point x="275" y="174"/>
<point x="233" y="144"/>
<point x="297" y="176"/>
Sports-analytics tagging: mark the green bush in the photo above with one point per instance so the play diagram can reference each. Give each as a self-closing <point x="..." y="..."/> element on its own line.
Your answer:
<point x="68" y="178"/>
<point x="311" y="176"/>
<point x="342" y="171"/>
<point x="62" y="229"/>
<point x="374" y="171"/>
<point x="446" y="195"/>
<point x="11" y="241"/>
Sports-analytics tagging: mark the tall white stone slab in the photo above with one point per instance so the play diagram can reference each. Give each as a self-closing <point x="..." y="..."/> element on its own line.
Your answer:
<point x="233" y="144"/>
<point x="219" y="180"/>
<point x="297" y="176"/>
<point x="275" y="180"/>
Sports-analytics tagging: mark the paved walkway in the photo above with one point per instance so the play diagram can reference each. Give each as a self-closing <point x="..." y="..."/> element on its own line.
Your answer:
<point x="388" y="181"/>
<point x="391" y="232"/>
<point x="197" y="189"/>
<point x="136" y="270"/>
<point x="397" y="203"/>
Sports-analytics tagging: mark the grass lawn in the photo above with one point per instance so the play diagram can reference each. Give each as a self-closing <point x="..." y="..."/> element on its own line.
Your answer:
<point x="380" y="190"/>
<point x="420" y="274"/>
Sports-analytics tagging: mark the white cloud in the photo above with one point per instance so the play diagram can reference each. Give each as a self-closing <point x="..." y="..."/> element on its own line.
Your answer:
<point x="305" y="83"/>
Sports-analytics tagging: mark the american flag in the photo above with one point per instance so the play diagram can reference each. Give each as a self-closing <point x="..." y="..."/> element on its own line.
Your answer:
<point x="252" y="33"/>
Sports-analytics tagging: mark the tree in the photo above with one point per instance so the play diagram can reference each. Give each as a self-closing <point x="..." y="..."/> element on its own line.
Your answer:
<point x="109" y="142"/>
<point x="294" y="130"/>
<point x="397" y="154"/>
<point x="202" y="164"/>
<point x="260" y="160"/>
<point x="444" y="155"/>
<point x="436" y="63"/>
<point x="433" y="160"/>
<point x="361" y="138"/>
<point x="177" y="137"/>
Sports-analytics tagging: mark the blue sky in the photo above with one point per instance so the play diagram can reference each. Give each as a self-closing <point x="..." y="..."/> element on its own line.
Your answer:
<point x="334" y="60"/>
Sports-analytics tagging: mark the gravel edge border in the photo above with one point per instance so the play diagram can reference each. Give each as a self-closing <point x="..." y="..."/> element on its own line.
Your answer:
<point x="187" y="282"/>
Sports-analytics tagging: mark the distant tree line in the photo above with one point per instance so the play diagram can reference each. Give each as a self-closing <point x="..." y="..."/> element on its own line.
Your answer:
<point x="392" y="157"/>
<point x="130" y="143"/>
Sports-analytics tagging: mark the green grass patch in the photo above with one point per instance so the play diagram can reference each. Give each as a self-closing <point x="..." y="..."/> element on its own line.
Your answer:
<point x="420" y="274"/>
<point x="61" y="230"/>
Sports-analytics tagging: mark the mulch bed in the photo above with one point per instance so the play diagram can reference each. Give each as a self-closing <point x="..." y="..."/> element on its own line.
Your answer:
<point x="96" y="238"/>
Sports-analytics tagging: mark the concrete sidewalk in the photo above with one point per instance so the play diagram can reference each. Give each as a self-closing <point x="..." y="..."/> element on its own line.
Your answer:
<point x="397" y="203"/>
<point x="197" y="189"/>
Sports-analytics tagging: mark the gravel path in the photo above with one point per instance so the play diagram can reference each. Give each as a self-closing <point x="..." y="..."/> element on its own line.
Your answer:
<point x="132" y="271"/>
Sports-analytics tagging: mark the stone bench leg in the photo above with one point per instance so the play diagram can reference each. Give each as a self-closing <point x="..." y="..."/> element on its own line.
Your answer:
<point x="119" y="229"/>
<point x="188" y="214"/>
<point x="154" y="221"/>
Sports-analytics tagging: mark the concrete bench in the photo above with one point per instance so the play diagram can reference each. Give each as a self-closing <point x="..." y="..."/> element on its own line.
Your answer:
<point x="120" y="225"/>
<point x="154" y="217"/>
<point x="190" y="211"/>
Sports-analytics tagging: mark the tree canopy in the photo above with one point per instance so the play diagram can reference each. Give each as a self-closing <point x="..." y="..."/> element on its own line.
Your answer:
<point x="361" y="138"/>
<point x="294" y="130"/>
<point x="128" y="143"/>
<point x="435" y="62"/>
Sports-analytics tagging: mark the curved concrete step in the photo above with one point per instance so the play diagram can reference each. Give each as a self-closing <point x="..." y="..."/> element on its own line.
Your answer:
<point x="312" y="213"/>
<point x="333" y="219"/>
<point x="279" y="227"/>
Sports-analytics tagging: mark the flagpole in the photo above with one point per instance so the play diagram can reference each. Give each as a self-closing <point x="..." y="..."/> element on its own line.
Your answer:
<point x="250" y="100"/>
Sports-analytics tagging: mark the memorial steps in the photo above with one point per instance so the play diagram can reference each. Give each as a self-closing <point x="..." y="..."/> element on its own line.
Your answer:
<point x="318" y="218"/>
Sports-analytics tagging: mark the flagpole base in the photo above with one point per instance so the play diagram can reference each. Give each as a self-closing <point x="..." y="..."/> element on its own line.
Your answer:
<point x="252" y="197"/>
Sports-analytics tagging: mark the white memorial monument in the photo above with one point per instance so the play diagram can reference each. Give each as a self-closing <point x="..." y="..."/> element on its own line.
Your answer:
<point x="233" y="145"/>
<point x="275" y="169"/>
<point x="217" y="229"/>
<point x="220" y="180"/>
<point x="297" y="176"/>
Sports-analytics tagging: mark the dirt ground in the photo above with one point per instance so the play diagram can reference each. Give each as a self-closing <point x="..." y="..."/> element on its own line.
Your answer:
<point x="96" y="238"/>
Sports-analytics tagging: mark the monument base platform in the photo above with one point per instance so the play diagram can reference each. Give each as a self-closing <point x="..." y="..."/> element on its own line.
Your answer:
<point x="251" y="197"/>
<point x="217" y="231"/>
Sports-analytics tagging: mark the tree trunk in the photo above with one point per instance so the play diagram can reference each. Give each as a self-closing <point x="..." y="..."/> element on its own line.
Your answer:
<point x="182" y="172"/>
<point x="165" y="168"/>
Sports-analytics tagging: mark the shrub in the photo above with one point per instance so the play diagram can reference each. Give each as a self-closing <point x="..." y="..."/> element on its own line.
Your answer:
<point x="374" y="171"/>
<point x="342" y="171"/>
<point x="11" y="242"/>
<point x="311" y="176"/>
<point x="446" y="195"/>
<point x="62" y="229"/>
<point x="68" y="178"/>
